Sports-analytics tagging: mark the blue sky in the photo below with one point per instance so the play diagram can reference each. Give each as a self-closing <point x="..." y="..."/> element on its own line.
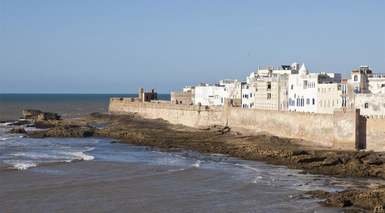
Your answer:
<point x="102" y="46"/>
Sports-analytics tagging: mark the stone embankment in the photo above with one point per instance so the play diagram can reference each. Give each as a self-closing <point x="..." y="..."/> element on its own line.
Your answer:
<point x="293" y="153"/>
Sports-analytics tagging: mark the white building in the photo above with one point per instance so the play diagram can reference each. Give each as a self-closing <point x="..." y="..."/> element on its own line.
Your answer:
<point x="267" y="88"/>
<point x="330" y="97"/>
<point x="368" y="91"/>
<point x="248" y="92"/>
<point x="215" y="95"/>
<point x="371" y="104"/>
<point x="314" y="92"/>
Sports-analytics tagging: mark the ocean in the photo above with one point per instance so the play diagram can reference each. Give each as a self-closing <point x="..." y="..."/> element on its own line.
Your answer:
<point x="100" y="175"/>
<point x="68" y="105"/>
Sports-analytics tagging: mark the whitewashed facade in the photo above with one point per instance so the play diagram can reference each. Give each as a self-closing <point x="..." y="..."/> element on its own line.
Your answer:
<point x="371" y="104"/>
<point x="248" y="92"/>
<point x="267" y="88"/>
<point x="314" y="92"/>
<point x="368" y="91"/>
<point x="215" y="95"/>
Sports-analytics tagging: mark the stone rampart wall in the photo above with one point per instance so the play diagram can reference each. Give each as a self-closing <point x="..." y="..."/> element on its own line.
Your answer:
<point x="338" y="130"/>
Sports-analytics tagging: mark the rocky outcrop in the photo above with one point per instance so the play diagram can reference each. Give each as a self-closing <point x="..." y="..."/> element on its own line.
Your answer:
<point x="17" y="130"/>
<point x="64" y="131"/>
<point x="372" y="199"/>
<point x="38" y="115"/>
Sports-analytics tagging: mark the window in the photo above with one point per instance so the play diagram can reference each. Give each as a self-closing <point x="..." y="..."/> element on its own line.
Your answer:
<point x="355" y="78"/>
<point x="268" y="85"/>
<point x="366" y="105"/>
<point x="313" y="101"/>
<point x="304" y="84"/>
<point x="307" y="101"/>
<point x="291" y="87"/>
<point x="251" y="95"/>
<point x="268" y="95"/>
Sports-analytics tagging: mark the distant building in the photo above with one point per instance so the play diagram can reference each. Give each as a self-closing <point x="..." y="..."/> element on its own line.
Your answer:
<point x="268" y="93"/>
<point x="371" y="104"/>
<point x="329" y="97"/>
<point x="147" y="96"/>
<point x="368" y="91"/>
<point x="216" y="95"/>
<point x="267" y="88"/>
<point x="185" y="97"/>
<point x="360" y="79"/>
<point x="314" y="92"/>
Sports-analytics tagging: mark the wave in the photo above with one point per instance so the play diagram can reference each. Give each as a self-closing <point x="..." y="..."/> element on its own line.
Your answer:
<point x="34" y="159"/>
<point x="82" y="156"/>
<point x="6" y="124"/>
<point x="197" y="164"/>
<point x="20" y="164"/>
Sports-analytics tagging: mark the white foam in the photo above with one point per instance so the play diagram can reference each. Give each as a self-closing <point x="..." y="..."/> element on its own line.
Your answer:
<point x="197" y="164"/>
<point x="82" y="156"/>
<point x="3" y="139"/>
<point x="21" y="165"/>
<point x="24" y="166"/>
<point x="257" y="179"/>
<point x="248" y="167"/>
<point x="36" y="155"/>
<point x="6" y="124"/>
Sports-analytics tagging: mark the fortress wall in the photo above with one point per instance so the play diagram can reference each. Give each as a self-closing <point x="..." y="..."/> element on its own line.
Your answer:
<point x="375" y="134"/>
<point x="189" y="115"/>
<point x="338" y="130"/>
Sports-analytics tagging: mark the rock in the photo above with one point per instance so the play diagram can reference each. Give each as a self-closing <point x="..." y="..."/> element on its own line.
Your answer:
<point x="38" y="115"/>
<point x="64" y="131"/>
<point x="225" y="130"/>
<point x="17" y="131"/>
<point x="299" y="152"/>
<point x="379" y="209"/>
<point x="362" y="154"/>
<point x="21" y="122"/>
<point x="310" y="159"/>
<point x="373" y="160"/>
<point x="43" y="124"/>
<point x="331" y="161"/>
<point x="318" y="194"/>
<point x="344" y="158"/>
<point x="338" y="201"/>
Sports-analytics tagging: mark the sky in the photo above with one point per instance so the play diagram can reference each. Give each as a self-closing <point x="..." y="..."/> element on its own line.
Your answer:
<point x="103" y="46"/>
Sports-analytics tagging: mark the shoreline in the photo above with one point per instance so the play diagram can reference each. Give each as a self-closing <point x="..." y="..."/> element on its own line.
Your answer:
<point x="133" y="129"/>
